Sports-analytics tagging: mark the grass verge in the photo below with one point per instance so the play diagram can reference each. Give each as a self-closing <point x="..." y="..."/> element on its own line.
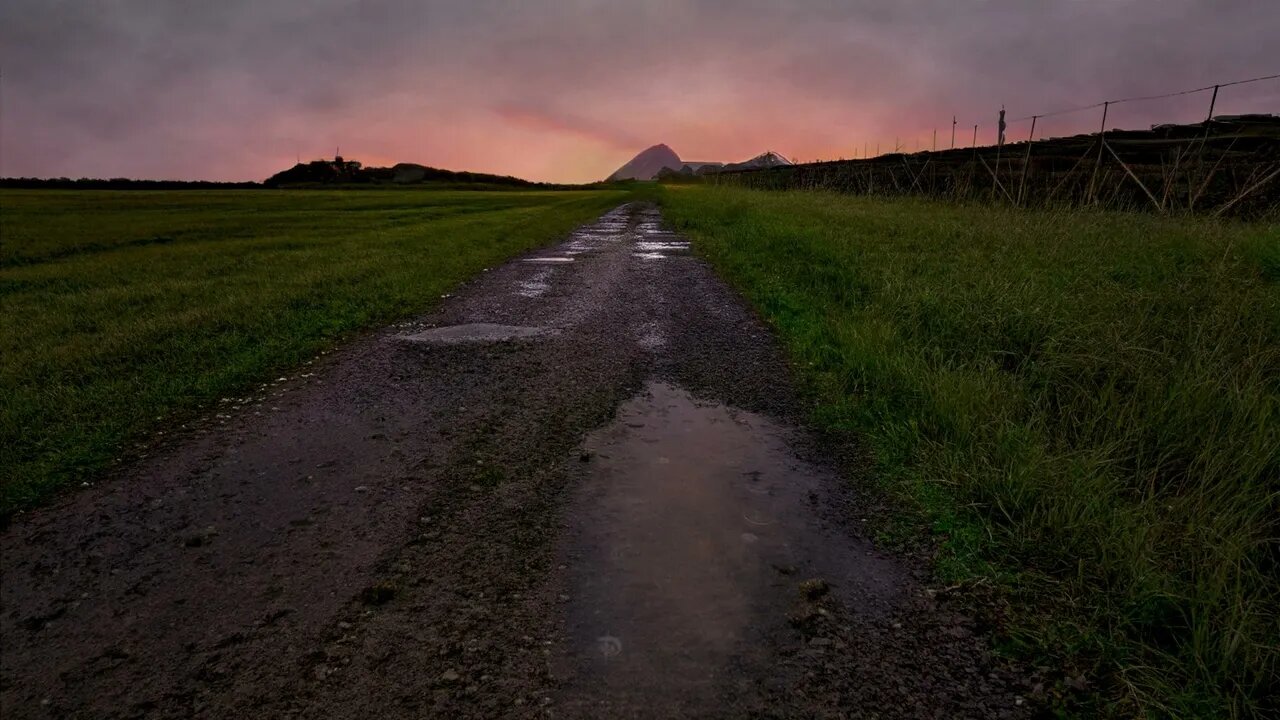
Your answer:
<point x="122" y="310"/>
<point x="1083" y="407"/>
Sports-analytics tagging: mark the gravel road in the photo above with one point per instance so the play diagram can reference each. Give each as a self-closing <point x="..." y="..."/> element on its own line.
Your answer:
<point x="578" y="489"/>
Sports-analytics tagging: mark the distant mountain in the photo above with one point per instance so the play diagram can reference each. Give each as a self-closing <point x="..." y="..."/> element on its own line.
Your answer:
<point x="766" y="159"/>
<point x="648" y="164"/>
<point x="660" y="162"/>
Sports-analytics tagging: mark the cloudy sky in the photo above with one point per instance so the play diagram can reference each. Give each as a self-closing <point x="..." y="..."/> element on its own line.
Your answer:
<point x="568" y="90"/>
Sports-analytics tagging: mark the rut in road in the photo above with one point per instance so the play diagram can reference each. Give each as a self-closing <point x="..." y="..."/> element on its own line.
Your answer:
<point x="577" y="489"/>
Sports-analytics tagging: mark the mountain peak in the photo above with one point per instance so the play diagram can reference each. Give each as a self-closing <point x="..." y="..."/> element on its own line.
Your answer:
<point x="766" y="159"/>
<point x="648" y="164"/>
<point x="653" y="160"/>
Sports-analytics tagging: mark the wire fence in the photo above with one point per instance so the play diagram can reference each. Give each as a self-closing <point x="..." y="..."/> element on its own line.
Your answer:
<point x="1220" y="164"/>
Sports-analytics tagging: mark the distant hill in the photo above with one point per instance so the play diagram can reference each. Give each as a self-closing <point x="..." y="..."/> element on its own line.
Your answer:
<point x="767" y="159"/>
<point x="339" y="171"/>
<point x="1235" y="155"/>
<point x="661" y="161"/>
<point x="63" y="183"/>
<point x="648" y="164"/>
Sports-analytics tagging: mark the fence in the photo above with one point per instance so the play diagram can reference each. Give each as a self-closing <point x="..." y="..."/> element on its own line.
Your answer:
<point x="1223" y="164"/>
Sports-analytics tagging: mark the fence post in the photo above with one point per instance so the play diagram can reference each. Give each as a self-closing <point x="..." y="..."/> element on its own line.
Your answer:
<point x="1204" y="140"/>
<point x="1026" y="163"/>
<point x="999" y="148"/>
<point x="973" y="164"/>
<point x="1102" y="139"/>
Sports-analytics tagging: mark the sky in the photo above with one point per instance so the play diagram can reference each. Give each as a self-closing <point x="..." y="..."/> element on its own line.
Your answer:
<point x="569" y="90"/>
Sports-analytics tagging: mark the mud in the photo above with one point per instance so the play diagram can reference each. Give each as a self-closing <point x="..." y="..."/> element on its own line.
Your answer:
<point x="478" y="529"/>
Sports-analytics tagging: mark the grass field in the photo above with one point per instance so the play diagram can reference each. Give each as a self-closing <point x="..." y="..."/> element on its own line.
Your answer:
<point x="1084" y="408"/>
<point x="125" y="310"/>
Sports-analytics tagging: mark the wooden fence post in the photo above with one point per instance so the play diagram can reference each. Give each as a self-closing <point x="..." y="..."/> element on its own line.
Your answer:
<point x="1026" y="163"/>
<point x="1102" y="136"/>
<point x="973" y="164"/>
<point x="1204" y="140"/>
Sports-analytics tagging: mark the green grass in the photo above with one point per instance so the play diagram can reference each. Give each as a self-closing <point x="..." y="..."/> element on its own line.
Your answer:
<point x="124" y="310"/>
<point x="1084" y="408"/>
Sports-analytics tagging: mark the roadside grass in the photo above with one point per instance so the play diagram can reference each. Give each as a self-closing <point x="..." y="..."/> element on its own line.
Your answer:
<point x="1083" y="408"/>
<point x="121" y="311"/>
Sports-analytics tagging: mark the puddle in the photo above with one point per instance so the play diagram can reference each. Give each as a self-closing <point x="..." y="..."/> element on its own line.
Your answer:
<point x="532" y="288"/>
<point x="477" y="333"/>
<point x="687" y="515"/>
<point x="648" y="255"/>
<point x="647" y="246"/>
<point x="548" y="260"/>
<point x="535" y="286"/>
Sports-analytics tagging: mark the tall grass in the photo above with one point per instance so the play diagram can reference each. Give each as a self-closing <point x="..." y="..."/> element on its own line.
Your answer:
<point x="1084" y="406"/>
<point x="122" y="310"/>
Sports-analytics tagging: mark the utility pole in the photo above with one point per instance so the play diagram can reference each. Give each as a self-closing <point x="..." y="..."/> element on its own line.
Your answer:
<point x="953" y="132"/>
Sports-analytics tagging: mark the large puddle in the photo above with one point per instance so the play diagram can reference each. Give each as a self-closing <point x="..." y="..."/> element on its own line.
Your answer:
<point x="690" y="533"/>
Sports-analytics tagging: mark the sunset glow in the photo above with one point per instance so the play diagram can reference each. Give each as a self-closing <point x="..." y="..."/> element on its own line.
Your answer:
<point x="568" y="91"/>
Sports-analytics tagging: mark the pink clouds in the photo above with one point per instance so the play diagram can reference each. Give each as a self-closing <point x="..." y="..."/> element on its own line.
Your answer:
<point x="568" y="91"/>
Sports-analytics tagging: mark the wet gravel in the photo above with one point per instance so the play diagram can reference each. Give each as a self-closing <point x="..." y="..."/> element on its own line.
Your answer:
<point x="393" y="530"/>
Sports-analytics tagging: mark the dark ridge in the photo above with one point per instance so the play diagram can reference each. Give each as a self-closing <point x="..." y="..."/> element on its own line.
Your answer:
<point x="350" y="172"/>
<point x="121" y="184"/>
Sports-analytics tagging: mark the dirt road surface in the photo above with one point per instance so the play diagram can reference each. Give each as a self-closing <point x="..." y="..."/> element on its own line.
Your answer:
<point x="577" y="490"/>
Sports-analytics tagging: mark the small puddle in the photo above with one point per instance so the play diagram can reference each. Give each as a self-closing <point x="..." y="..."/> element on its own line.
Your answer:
<point x="477" y="333"/>
<point x="535" y="286"/>
<point x="553" y="260"/>
<point x="532" y="288"/>
<point x="690" y="534"/>
<point x="672" y="246"/>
